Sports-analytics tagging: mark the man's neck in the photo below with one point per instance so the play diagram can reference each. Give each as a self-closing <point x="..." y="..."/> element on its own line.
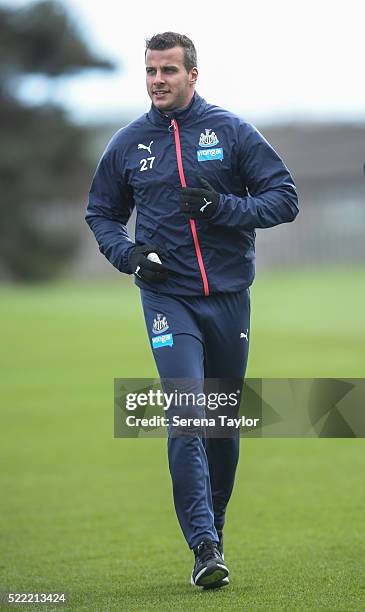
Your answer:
<point x="179" y="108"/>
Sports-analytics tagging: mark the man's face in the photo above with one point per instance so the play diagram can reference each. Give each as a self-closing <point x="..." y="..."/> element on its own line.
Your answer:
<point x="169" y="85"/>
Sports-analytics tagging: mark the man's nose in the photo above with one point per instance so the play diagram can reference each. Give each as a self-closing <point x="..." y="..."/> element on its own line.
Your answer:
<point x="159" y="77"/>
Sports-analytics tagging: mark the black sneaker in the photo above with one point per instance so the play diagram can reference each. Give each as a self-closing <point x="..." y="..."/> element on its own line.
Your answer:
<point x="225" y="580"/>
<point x="209" y="569"/>
<point x="220" y="543"/>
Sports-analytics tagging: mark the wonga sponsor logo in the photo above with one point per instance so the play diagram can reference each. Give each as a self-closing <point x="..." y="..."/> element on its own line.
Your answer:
<point x="209" y="154"/>
<point x="160" y="341"/>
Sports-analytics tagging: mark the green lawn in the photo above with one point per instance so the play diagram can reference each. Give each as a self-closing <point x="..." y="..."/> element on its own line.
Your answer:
<point x="92" y="516"/>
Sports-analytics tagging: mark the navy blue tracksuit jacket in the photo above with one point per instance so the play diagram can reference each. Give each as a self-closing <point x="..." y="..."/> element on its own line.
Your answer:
<point x="146" y="163"/>
<point x="198" y="320"/>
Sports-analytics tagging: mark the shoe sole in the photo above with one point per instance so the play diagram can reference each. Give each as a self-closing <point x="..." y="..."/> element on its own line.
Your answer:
<point x="211" y="577"/>
<point x="221" y="584"/>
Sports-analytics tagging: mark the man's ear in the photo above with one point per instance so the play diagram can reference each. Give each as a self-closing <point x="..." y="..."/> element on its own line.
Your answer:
<point x="193" y="76"/>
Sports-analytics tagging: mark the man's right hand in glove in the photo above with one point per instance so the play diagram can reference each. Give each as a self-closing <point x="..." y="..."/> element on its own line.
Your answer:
<point x="143" y="268"/>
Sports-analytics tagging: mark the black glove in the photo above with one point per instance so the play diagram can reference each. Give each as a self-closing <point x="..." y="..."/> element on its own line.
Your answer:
<point x="199" y="203"/>
<point x="147" y="270"/>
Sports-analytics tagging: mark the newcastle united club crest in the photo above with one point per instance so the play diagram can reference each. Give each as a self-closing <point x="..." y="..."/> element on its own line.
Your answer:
<point x="209" y="139"/>
<point x="160" y="324"/>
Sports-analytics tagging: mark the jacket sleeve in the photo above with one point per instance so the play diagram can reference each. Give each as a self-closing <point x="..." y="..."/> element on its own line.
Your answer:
<point x="110" y="206"/>
<point x="271" y="198"/>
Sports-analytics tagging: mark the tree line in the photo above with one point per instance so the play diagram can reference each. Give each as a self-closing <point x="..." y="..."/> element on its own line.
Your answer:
<point x="44" y="166"/>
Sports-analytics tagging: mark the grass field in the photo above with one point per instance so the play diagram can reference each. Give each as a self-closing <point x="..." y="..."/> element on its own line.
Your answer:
<point x="92" y="516"/>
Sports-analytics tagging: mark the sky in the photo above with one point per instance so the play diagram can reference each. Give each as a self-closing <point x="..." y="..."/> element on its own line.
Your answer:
<point x="267" y="61"/>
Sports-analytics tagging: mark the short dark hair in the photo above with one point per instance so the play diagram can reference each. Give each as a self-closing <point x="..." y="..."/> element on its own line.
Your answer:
<point x="168" y="40"/>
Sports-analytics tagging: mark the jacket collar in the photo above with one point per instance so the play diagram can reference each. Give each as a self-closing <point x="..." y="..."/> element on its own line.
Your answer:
<point x="187" y="114"/>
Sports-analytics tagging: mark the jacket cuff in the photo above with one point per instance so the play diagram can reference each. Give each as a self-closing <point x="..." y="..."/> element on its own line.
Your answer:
<point x="215" y="218"/>
<point x="126" y="265"/>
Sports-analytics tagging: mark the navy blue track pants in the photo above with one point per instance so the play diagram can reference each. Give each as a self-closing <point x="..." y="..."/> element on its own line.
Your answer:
<point x="195" y="338"/>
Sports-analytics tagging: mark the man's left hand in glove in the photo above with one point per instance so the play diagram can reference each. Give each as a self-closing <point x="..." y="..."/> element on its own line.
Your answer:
<point x="199" y="203"/>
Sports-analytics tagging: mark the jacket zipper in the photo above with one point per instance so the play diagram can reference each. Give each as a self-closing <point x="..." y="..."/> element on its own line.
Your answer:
<point x="191" y="221"/>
